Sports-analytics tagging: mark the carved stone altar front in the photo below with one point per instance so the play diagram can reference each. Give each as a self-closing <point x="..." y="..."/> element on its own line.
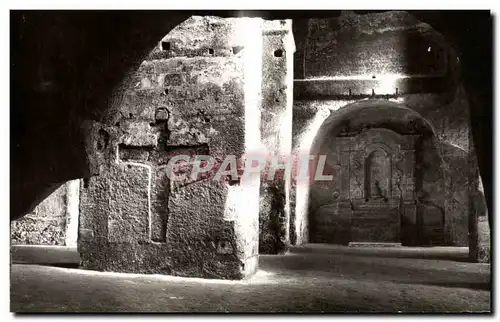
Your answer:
<point x="377" y="185"/>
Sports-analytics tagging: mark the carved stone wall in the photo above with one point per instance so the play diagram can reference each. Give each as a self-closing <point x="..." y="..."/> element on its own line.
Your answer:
<point x="196" y="93"/>
<point x="276" y="131"/>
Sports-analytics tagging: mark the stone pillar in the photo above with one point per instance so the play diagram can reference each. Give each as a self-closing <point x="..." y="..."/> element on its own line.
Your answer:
<point x="479" y="230"/>
<point x="72" y="211"/>
<point x="196" y="93"/>
<point x="472" y="214"/>
<point x="483" y="228"/>
<point x="276" y="129"/>
<point x="457" y="179"/>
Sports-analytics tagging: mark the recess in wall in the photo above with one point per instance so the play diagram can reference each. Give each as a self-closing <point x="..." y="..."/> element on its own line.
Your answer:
<point x="165" y="45"/>
<point x="237" y="49"/>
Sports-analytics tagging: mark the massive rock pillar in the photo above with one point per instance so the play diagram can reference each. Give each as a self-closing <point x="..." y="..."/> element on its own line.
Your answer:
<point x="196" y="93"/>
<point x="479" y="230"/>
<point x="277" y="100"/>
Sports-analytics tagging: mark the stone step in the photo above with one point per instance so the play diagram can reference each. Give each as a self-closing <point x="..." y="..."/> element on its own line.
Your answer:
<point x="45" y="255"/>
<point x="374" y="244"/>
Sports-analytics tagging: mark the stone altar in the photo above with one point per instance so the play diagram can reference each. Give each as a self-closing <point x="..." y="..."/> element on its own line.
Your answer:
<point x="377" y="185"/>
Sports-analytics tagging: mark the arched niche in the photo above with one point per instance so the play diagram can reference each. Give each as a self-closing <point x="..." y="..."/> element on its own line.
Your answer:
<point x="377" y="174"/>
<point x="347" y="137"/>
<point x="378" y="184"/>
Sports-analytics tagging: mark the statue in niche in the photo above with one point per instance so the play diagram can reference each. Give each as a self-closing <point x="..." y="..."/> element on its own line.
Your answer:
<point x="378" y="191"/>
<point x="377" y="176"/>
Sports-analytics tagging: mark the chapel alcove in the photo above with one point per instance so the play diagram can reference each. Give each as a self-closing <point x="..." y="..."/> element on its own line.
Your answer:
<point x="382" y="162"/>
<point x="374" y="196"/>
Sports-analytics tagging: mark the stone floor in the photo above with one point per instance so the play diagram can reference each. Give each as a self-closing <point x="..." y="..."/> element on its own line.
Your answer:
<point x="311" y="278"/>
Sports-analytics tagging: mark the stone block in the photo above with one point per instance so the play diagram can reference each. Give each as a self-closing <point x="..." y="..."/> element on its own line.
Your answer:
<point x="173" y="80"/>
<point x="94" y="207"/>
<point x="34" y="231"/>
<point x="128" y="219"/>
<point x="133" y="154"/>
<point x="139" y="134"/>
<point x="140" y="104"/>
<point x="197" y="232"/>
<point x="134" y="218"/>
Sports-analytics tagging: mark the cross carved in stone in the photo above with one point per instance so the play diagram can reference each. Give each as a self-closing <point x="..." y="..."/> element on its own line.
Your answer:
<point x="157" y="157"/>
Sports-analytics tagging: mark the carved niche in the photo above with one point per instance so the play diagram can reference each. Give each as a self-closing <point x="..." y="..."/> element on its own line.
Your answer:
<point x="378" y="184"/>
<point x="377" y="179"/>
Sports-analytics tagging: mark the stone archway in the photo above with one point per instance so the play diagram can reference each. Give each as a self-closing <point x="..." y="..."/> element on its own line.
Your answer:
<point x="408" y="206"/>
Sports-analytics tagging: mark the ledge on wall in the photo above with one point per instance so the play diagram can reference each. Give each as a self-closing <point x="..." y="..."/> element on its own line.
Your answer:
<point x="352" y="88"/>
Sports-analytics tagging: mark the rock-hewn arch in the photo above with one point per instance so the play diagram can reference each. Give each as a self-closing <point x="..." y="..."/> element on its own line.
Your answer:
<point x="361" y="116"/>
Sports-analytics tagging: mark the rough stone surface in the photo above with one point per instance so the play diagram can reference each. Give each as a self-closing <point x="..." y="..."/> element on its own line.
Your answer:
<point x="479" y="225"/>
<point x="192" y="95"/>
<point x="484" y="251"/>
<point x="373" y="45"/>
<point x="276" y="128"/>
<point x="128" y="219"/>
<point x="49" y="222"/>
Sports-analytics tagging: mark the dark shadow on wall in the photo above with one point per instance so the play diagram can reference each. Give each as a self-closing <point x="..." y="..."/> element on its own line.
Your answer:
<point x="270" y="225"/>
<point x="64" y="67"/>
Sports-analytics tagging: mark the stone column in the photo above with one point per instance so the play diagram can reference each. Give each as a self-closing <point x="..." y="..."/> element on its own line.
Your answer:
<point x="196" y="93"/>
<point x="72" y="211"/>
<point x="276" y="128"/>
<point x="479" y="232"/>
<point x="456" y="165"/>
